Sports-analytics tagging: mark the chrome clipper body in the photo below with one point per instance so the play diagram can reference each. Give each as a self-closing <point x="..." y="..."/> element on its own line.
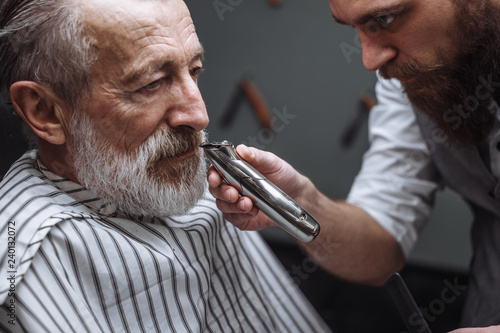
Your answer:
<point x="266" y="196"/>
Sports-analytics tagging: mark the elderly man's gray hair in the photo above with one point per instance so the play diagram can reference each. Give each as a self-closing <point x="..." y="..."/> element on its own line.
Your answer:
<point x="44" y="41"/>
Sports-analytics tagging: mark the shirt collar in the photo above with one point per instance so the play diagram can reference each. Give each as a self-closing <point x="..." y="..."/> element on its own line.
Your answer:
<point x="78" y="192"/>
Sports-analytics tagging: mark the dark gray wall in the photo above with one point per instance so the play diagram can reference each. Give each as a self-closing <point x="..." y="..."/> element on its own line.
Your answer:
<point x="293" y="54"/>
<point x="304" y="62"/>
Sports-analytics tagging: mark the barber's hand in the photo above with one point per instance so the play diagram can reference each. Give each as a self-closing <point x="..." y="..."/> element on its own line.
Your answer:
<point x="240" y="210"/>
<point x="491" y="329"/>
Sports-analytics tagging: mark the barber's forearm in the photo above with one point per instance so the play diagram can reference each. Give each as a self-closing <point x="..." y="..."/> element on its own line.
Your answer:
<point x="351" y="244"/>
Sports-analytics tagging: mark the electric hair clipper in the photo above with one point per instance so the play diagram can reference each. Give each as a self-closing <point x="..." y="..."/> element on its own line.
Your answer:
<point x="265" y="195"/>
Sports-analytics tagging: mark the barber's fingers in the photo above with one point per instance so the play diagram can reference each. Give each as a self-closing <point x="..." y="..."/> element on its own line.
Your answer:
<point x="219" y="189"/>
<point x="242" y="214"/>
<point x="254" y="220"/>
<point x="214" y="179"/>
<point x="242" y="205"/>
<point x="237" y="209"/>
<point x="234" y="214"/>
<point x="225" y="192"/>
<point x="246" y="153"/>
<point x="265" y="162"/>
<point x="268" y="164"/>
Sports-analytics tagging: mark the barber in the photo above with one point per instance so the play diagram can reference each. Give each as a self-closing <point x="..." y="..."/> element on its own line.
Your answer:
<point x="436" y="123"/>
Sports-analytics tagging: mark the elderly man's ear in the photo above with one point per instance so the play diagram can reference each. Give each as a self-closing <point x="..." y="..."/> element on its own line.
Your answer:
<point x="41" y="108"/>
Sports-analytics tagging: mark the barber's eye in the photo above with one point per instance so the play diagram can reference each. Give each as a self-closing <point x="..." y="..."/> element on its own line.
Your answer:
<point x="386" y="19"/>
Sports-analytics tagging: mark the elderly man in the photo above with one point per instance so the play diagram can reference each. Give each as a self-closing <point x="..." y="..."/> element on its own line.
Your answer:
<point x="106" y="227"/>
<point x="437" y="122"/>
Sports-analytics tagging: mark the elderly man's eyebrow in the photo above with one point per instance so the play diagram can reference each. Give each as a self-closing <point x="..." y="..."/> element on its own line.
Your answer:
<point x="199" y="54"/>
<point x="376" y="12"/>
<point x="160" y="65"/>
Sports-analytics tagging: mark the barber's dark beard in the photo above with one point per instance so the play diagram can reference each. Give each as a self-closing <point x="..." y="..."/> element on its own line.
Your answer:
<point x="455" y="92"/>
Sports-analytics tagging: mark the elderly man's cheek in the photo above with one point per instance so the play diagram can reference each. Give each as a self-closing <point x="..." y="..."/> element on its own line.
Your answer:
<point x="105" y="126"/>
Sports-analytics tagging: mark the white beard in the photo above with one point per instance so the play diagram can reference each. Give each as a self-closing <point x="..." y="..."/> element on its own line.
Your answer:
<point x="133" y="181"/>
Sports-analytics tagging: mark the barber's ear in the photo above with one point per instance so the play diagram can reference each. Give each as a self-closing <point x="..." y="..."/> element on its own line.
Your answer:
<point x="41" y="109"/>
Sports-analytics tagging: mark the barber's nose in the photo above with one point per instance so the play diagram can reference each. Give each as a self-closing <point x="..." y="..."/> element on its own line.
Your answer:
<point x="376" y="51"/>
<point x="188" y="109"/>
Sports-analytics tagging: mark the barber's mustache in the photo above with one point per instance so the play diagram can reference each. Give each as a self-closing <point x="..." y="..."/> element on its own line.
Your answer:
<point x="410" y="70"/>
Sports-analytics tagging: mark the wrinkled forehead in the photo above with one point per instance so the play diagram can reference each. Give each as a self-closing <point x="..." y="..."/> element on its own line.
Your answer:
<point x="116" y="23"/>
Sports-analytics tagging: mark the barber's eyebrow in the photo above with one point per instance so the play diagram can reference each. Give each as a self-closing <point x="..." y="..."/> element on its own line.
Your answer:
<point x="376" y="12"/>
<point x="160" y="65"/>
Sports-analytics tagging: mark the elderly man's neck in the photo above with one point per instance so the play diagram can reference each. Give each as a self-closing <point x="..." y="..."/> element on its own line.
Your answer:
<point x="57" y="159"/>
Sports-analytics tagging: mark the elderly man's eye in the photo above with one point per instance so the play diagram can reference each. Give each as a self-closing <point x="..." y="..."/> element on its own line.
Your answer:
<point x="196" y="71"/>
<point x="386" y="19"/>
<point x="152" y="85"/>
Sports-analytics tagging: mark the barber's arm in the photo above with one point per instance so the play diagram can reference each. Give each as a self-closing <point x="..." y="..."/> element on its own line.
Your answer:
<point x="368" y="237"/>
<point x="351" y="244"/>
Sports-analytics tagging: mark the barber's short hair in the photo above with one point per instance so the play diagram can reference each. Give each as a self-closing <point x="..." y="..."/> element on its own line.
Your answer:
<point x="44" y="41"/>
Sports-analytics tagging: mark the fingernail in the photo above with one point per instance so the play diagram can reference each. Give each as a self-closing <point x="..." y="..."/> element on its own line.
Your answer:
<point x="251" y="153"/>
<point x="241" y="205"/>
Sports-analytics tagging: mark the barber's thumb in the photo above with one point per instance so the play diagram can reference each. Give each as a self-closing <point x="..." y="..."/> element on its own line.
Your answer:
<point x="246" y="153"/>
<point x="263" y="161"/>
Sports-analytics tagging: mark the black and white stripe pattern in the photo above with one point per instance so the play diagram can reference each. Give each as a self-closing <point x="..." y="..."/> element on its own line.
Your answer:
<point x="81" y="267"/>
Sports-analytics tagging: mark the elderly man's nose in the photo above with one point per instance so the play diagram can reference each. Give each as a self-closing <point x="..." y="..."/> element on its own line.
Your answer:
<point x="189" y="108"/>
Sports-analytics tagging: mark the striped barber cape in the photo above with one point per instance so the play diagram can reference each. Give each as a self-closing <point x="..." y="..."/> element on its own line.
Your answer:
<point x="71" y="263"/>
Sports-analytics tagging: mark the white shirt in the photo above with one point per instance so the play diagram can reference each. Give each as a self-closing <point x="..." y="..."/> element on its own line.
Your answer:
<point x="397" y="181"/>
<point x="396" y="184"/>
<point x="79" y="266"/>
